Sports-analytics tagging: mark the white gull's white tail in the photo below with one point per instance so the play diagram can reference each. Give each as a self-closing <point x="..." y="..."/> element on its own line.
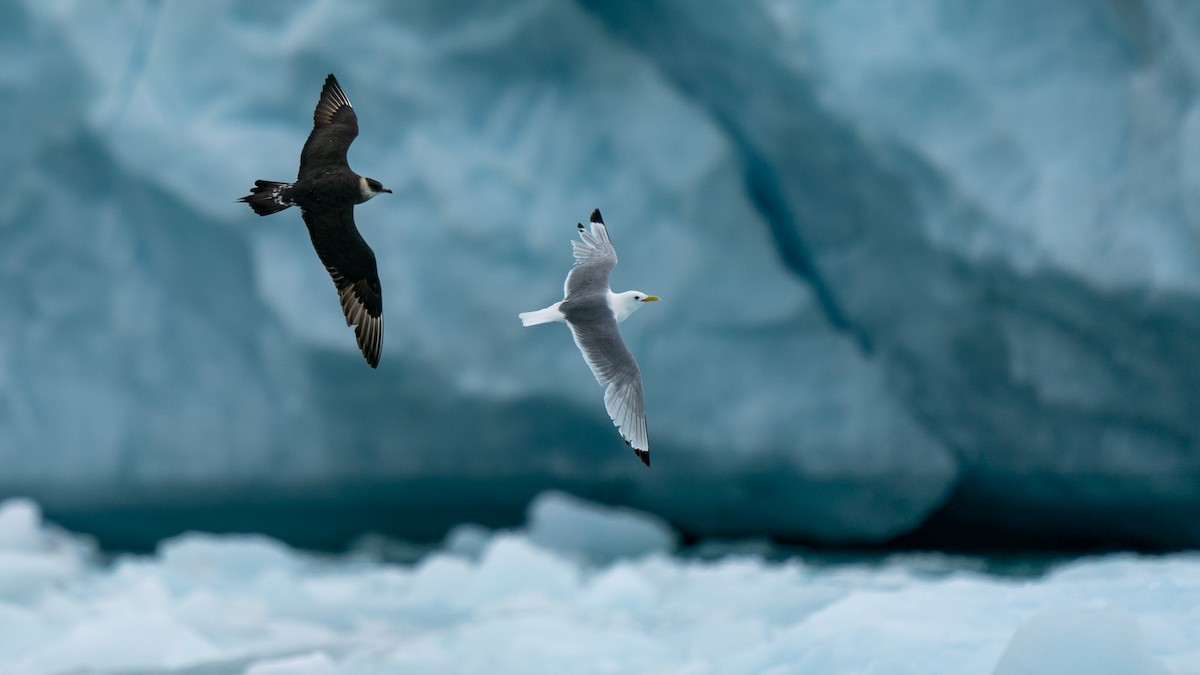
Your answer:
<point x="547" y="315"/>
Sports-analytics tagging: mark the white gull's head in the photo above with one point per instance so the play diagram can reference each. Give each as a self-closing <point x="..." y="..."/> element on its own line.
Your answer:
<point x="624" y="304"/>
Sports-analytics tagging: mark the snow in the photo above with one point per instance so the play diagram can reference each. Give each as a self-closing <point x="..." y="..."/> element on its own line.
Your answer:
<point x="1101" y="642"/>
<point x="247" y="604"/>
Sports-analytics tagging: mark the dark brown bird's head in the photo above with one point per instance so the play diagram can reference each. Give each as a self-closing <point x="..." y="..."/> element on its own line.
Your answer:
<point x="369" y="187"/>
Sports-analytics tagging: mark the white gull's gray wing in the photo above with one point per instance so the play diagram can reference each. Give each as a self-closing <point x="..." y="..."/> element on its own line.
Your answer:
<point x="595" y="258"/>
<point x="595" y="331"/>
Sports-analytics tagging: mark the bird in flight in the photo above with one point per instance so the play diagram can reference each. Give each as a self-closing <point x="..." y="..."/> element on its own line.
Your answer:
<point x="592" y="312"/>
<point x="326" y="190"/>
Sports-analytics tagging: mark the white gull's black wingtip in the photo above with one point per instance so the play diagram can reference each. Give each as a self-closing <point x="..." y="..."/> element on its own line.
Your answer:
<point x="643" y="455"/>
<point x="596" y="216"/>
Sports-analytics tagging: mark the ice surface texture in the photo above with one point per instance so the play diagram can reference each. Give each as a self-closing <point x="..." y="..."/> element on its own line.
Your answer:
<point x="240" y="604"/>
<point x="937" y="257"/>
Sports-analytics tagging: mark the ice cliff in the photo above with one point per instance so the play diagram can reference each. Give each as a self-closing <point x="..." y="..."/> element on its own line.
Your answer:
<point x="932" y="264"/>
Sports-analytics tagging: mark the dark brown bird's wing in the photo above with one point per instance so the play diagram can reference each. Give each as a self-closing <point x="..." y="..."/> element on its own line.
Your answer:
<point x="335" y="126"/>
<point x="351" y="263"/>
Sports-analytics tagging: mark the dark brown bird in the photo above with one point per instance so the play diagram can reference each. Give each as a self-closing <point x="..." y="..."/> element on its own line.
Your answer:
<point x="326" y="190"/>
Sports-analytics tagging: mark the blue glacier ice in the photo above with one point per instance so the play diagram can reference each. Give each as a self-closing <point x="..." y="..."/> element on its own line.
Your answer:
<point x="920" y="264"/>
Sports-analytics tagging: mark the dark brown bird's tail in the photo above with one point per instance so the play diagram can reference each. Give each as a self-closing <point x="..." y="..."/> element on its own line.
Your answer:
<point x="268" y="196"/>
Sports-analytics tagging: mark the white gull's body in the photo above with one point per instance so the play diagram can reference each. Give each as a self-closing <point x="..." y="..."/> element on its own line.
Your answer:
<point x="592" y="312"/>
